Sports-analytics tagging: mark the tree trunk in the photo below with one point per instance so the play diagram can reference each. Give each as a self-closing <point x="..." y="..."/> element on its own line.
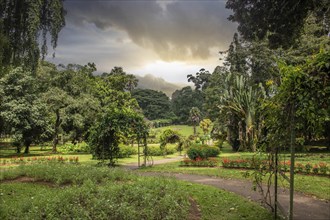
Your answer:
<point x="27" y="149"/>
<point x="56" y="130"/>
<point x="194" y="129"/>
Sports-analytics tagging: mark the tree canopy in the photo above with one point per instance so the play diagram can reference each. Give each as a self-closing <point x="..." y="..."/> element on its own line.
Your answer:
<point x="154" y="104"/>
<point x="280" y="21"/>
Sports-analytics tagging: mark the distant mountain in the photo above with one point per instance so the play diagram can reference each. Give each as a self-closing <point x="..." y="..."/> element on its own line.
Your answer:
<point x="159" y="84"/>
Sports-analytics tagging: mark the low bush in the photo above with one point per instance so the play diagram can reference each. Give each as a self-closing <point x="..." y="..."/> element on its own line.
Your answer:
<point x="126" y="151"/>
<point x="210" y="162"/>
<point x="155" y="151"/>
<point x="202" y="151"/>
<point x="74" y="148"/>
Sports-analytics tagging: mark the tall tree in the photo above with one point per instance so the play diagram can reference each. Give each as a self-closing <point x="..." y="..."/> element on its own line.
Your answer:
<point x="183" y="100"/>
<point x="201" y="80"/>
<point x="280" y="21"/>
<point x="22" y="22"/>
<point x="119" y="80"/>
<point x="23" y="112"/>
<point x="70" y="97"/>
<point x="154" y="104"/>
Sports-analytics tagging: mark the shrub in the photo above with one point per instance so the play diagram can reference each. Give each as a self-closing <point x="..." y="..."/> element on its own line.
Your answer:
<point x="199" y="162"/>
<point x="126" y="151"/>
<point x="74" y="148"/>
<point x="308" y="168"/>
<point x="299" y="167"/>
<point x="170" y="149"/>
<point x="202" y="151"/>
<point x="155" y="151"/>
<point x="315" y="169"/>
<point x="323" y="168"/>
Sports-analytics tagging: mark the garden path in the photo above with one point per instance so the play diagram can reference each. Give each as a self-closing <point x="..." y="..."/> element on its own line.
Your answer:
<point x="305" y="207"/>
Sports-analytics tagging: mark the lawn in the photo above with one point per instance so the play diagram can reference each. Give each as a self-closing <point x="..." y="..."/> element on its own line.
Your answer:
<point x="7" y="152"/>
<point x="60" y="191"/>
<point x="309" y="184"/>
<point x="184" y="130"/>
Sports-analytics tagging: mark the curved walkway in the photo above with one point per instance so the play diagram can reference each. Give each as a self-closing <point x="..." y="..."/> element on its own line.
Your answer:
<point x="305" y="207"/>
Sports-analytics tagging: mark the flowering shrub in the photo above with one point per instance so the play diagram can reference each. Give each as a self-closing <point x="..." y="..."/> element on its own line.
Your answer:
<point x="315" y="169"/>
<point x="308" y="168"/>
<point x="323" y="168"/>
<point x="199" y="162"/>
<point x="320" y="168"/>
<point x="299" y="167"/>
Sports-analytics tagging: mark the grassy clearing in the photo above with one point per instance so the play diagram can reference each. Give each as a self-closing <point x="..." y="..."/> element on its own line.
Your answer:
<point x="184" y="130"/>
<point x="93" y="193"/>
<point x="103" y="193"/>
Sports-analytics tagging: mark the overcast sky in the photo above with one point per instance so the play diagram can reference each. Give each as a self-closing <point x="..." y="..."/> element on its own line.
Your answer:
<point x="168" y="39"/>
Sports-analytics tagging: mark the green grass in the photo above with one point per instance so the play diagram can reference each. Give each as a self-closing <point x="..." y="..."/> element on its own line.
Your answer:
<point x="312" y="185"/>
<point x="85" y="158"/>
<point x="220" y="204"/>
<point x="102" y="193"/>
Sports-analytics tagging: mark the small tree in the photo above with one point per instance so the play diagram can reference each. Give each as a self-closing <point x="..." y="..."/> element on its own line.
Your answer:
<point x="170" y="137"/>
<point x="105" y="135"/>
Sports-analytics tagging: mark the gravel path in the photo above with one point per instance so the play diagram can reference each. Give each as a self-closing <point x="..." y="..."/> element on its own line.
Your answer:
<point x="305" y="207"/>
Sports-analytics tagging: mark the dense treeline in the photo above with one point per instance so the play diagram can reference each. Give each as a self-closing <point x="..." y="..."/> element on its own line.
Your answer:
<point x="59" y="103"/>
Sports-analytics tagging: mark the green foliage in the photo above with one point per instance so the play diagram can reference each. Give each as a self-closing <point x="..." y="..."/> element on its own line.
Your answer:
<point x="157" y="151"/>
<point x="195" y="117"/>
<point x="22" y="111"/>
<point x="258" y="20"/>
<point x="74" y="148"/>
<point x="126" y="151"/>
<point x="182" y="102"/>
<point x="105" y="136"/>
<point x="205" y="125"/>
<point x="26" y="24"/>
<point x="71" y="101"/>
<point x="119" y="80"/>
<point x="154" y="104"/>
<point x="201" y="80"/>
<point x="120" y="196"/>
<point x="305" y="88"/>
<point x="202" y="152"/>
<point x="169" y="137"/>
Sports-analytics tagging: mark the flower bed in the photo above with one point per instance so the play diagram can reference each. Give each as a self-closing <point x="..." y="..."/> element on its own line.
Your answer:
<point x="30" y="160"/>
<point x="319" y="169"/>
<point x="199" y="162"/>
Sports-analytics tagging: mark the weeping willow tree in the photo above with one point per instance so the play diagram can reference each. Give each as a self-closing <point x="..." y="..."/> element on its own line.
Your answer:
<point x="24" y="27"/>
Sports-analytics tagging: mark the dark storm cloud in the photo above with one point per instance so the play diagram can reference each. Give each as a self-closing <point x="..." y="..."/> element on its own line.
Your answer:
<point x="175" y="30"/>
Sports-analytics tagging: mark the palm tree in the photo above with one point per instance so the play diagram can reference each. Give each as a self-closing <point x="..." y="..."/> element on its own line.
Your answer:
<point x="195" y="117"/>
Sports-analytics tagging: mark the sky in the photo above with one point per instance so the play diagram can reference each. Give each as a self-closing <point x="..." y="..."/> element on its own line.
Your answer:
<point x="165" y="38"/>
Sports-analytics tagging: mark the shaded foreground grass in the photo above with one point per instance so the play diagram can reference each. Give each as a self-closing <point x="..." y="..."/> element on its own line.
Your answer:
<point x="312" y="185"/>
<point x="88" y="192"/>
